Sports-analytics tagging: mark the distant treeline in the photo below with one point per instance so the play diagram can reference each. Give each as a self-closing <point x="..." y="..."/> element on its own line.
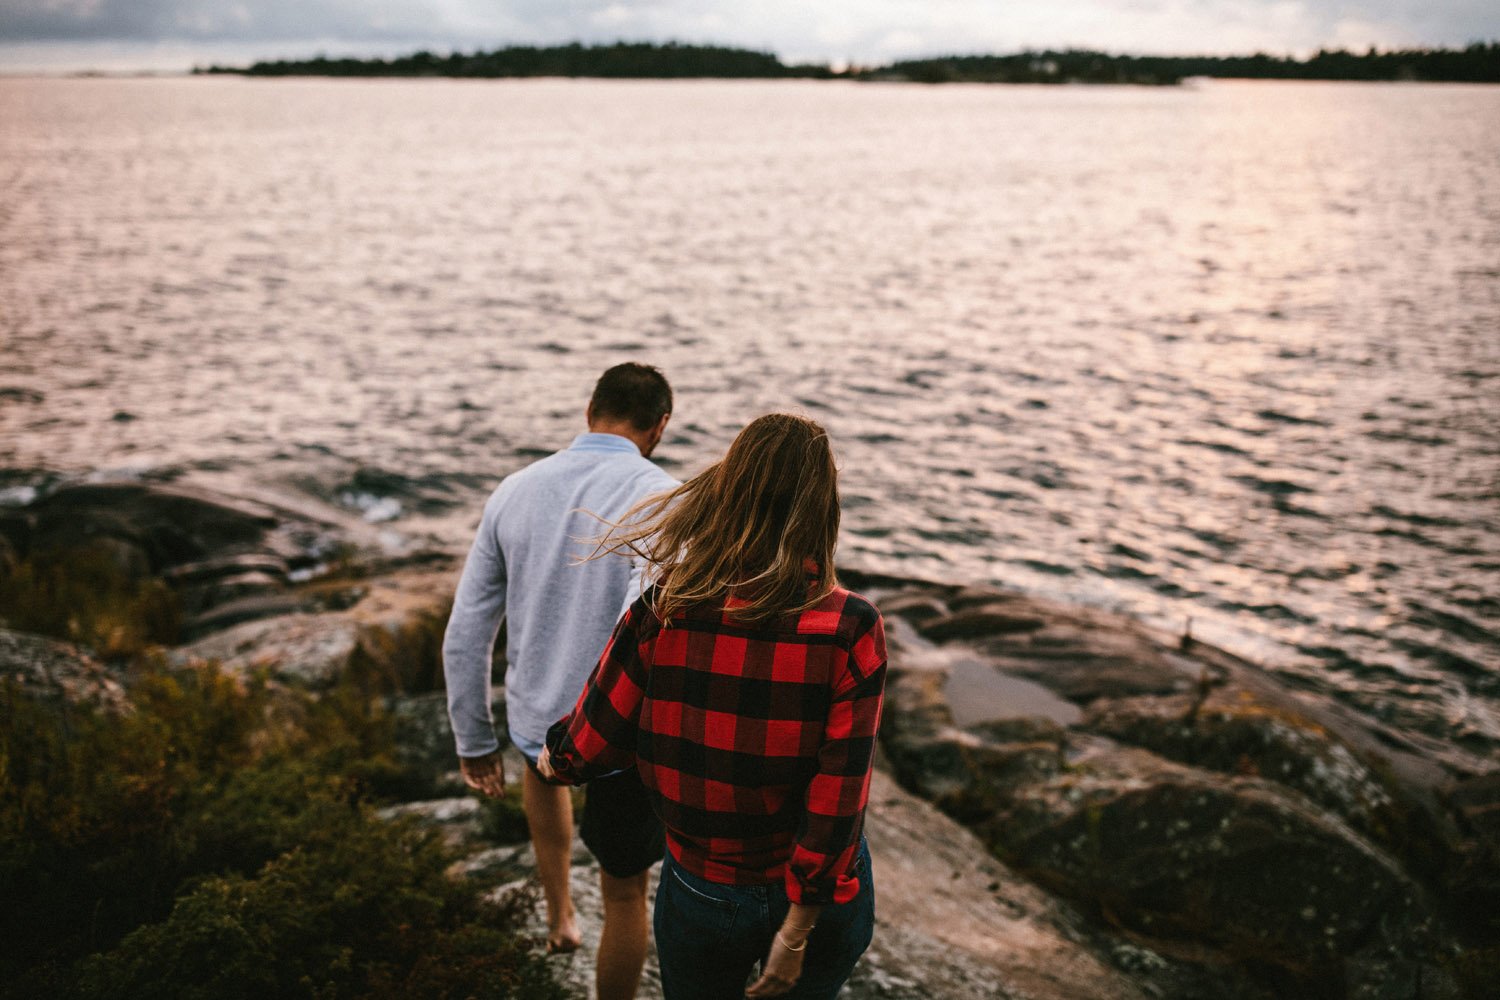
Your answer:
<point x="1479" y="63"/>
<point x="622" y="60"/>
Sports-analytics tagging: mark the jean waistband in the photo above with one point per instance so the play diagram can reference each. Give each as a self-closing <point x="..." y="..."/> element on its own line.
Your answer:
<point x="765" y="892"/>
<point x="758" y="893"/>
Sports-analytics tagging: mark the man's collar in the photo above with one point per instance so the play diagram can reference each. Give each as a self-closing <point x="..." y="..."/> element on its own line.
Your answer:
<point x="593" y="441"/>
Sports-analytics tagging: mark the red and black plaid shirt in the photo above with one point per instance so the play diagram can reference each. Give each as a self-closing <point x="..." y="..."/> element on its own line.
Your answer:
<point x="755" y="739"/>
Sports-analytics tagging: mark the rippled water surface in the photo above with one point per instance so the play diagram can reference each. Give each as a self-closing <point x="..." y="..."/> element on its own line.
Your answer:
<point x="1227" y="352"/>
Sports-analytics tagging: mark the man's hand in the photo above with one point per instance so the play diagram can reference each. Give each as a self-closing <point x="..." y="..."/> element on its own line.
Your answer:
<point x="544" y="765"/>
<point x="485" y="775"/>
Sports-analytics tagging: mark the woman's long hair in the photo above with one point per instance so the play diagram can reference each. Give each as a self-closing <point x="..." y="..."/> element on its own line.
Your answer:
<point x="761" y="523"/>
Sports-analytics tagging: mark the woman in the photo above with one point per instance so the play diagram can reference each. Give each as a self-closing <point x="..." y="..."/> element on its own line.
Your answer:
<point x="746" y="686"/>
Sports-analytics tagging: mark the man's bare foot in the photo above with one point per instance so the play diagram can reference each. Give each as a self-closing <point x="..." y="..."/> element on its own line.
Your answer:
<point x="564" y="937"/>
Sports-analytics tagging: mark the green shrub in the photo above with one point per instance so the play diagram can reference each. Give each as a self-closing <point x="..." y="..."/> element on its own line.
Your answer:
<point x="217" y="840"/>
<point x="96" y="810"/>
<point x="1477" y="971"/>
<point x="349" y="914"/>
<point x="84" y="594"/>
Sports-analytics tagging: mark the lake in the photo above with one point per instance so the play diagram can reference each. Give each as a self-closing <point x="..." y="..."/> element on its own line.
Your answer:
<point x="1227" y="352"/>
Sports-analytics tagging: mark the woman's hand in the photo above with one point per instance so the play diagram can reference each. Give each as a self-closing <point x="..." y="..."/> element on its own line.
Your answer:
<point x="544" y="765"/>
<point x="782" y="969"/>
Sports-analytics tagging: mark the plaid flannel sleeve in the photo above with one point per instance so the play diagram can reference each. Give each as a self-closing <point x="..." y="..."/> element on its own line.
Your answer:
<point x="834" y="803"/>
<point x="600" y="735"/>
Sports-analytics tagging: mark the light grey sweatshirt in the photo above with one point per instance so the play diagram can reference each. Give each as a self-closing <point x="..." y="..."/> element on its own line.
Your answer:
<point x="526" y="567"/>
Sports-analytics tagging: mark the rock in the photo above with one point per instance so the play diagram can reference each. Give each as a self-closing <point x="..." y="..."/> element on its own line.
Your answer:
<point x="968" y="597"/>
<point x="172" y="525"/>
<point x="969" y="778"/>
<point x="1255" y="840"/>
<point x="575" y="970"/>
<point x="1472" y="877"/>
<point x="228" y="560"/>
<point x="390" y="627"/>
<point x="425" y="495"/>
<point x="208" y="583"/>
<point x="1238" y="865"/>
<point x="312" y="650"/>
<point x="1077" y="653"/>
<point x="1089" y="668"/>
<point x="222" y="566"/>
<point x="396" y="601"/>
<point x="425" y="748"/>
<point x="1026" y="729"/>
<point x="985" y="620"/>
<point x="256" y="605"/>
<point x="58" y="671"/>
<point x="1477" y="802"/>
<point x="951" y="921"/>
<point x="964" y="773"/>
<point x="240" y="585"/>
<point x="915" y="608"/>
<point x="914" y="703"/>
<point x="459" y="820"/>
<point x="1201" y="831"/>
<point x="509" y="864"/>
<point x="1232" y="732"/>
<point x="954" y="922"/>
<point x="402" y="620"/>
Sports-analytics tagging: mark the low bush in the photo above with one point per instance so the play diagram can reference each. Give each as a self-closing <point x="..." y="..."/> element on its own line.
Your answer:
<point x="86" y="595"/>
<point x="218" y="839"/>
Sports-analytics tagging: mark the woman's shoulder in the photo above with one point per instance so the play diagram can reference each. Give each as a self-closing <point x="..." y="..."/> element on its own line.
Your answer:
<point x="840" y="611"/>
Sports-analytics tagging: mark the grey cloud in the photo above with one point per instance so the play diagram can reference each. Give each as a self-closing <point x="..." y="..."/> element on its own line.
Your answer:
<point x="1434" y="22"/>
<point x="829" y="29"/>
<point x="211" y="20"/>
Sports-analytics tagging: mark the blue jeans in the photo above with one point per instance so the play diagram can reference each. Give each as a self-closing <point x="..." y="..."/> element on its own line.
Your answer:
<point x="709" y="937"/>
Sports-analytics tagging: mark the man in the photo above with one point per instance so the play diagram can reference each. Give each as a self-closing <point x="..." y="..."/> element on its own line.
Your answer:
<point x="527" y="566"/>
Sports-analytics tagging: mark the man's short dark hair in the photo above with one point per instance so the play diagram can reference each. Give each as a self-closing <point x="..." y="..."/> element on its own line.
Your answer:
<point x="633" y="392"/>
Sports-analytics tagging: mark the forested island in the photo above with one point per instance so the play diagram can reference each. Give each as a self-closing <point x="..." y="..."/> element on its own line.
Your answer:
<point x="1478" y="63"/>
<point x="621" y="60"/>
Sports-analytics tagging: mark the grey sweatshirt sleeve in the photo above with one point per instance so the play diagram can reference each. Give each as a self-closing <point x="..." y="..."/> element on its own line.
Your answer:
<point x="642" y="574"/>
<point x="639" y="581"/>
<point x="469" y="643"/>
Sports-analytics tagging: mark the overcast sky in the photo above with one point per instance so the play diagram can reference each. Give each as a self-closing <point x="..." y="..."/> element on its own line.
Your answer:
<point x="165" y="34"/>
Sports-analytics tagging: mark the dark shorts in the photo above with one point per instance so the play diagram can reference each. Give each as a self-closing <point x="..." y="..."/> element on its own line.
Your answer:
<point x="619" y="827"/>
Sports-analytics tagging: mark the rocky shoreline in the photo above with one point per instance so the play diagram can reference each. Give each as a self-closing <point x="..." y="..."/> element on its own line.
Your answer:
<point x="1069" y="805"/>
<point x="1266" y="841"/>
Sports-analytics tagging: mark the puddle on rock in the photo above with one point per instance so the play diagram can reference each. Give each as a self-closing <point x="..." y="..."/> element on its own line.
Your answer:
<point x="977" y="692"/>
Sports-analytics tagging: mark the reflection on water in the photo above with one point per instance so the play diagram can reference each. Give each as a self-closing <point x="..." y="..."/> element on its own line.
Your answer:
<point x="1225" y="352"/>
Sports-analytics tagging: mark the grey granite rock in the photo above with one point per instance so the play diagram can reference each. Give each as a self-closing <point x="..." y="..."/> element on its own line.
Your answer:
<point x="951" y="921"/>
<point x="58" y="671"/>
<point x="312" y="650"/>
<point x="1252" y="838"/>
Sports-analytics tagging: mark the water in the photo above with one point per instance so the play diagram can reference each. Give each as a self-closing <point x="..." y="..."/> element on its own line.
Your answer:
<point x="1225" y="352"/>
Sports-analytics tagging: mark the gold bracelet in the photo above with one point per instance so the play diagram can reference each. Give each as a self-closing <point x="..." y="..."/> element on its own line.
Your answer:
<point x="794" y="927"/>
<point x="788" y="945"/>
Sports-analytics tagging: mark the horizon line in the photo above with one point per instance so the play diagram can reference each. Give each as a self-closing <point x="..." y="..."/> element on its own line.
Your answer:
<point x="333" y="52"/>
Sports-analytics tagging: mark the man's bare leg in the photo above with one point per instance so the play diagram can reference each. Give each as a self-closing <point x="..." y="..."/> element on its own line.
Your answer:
<point x="549" y="814"/>
<point x="622" y="944"/>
